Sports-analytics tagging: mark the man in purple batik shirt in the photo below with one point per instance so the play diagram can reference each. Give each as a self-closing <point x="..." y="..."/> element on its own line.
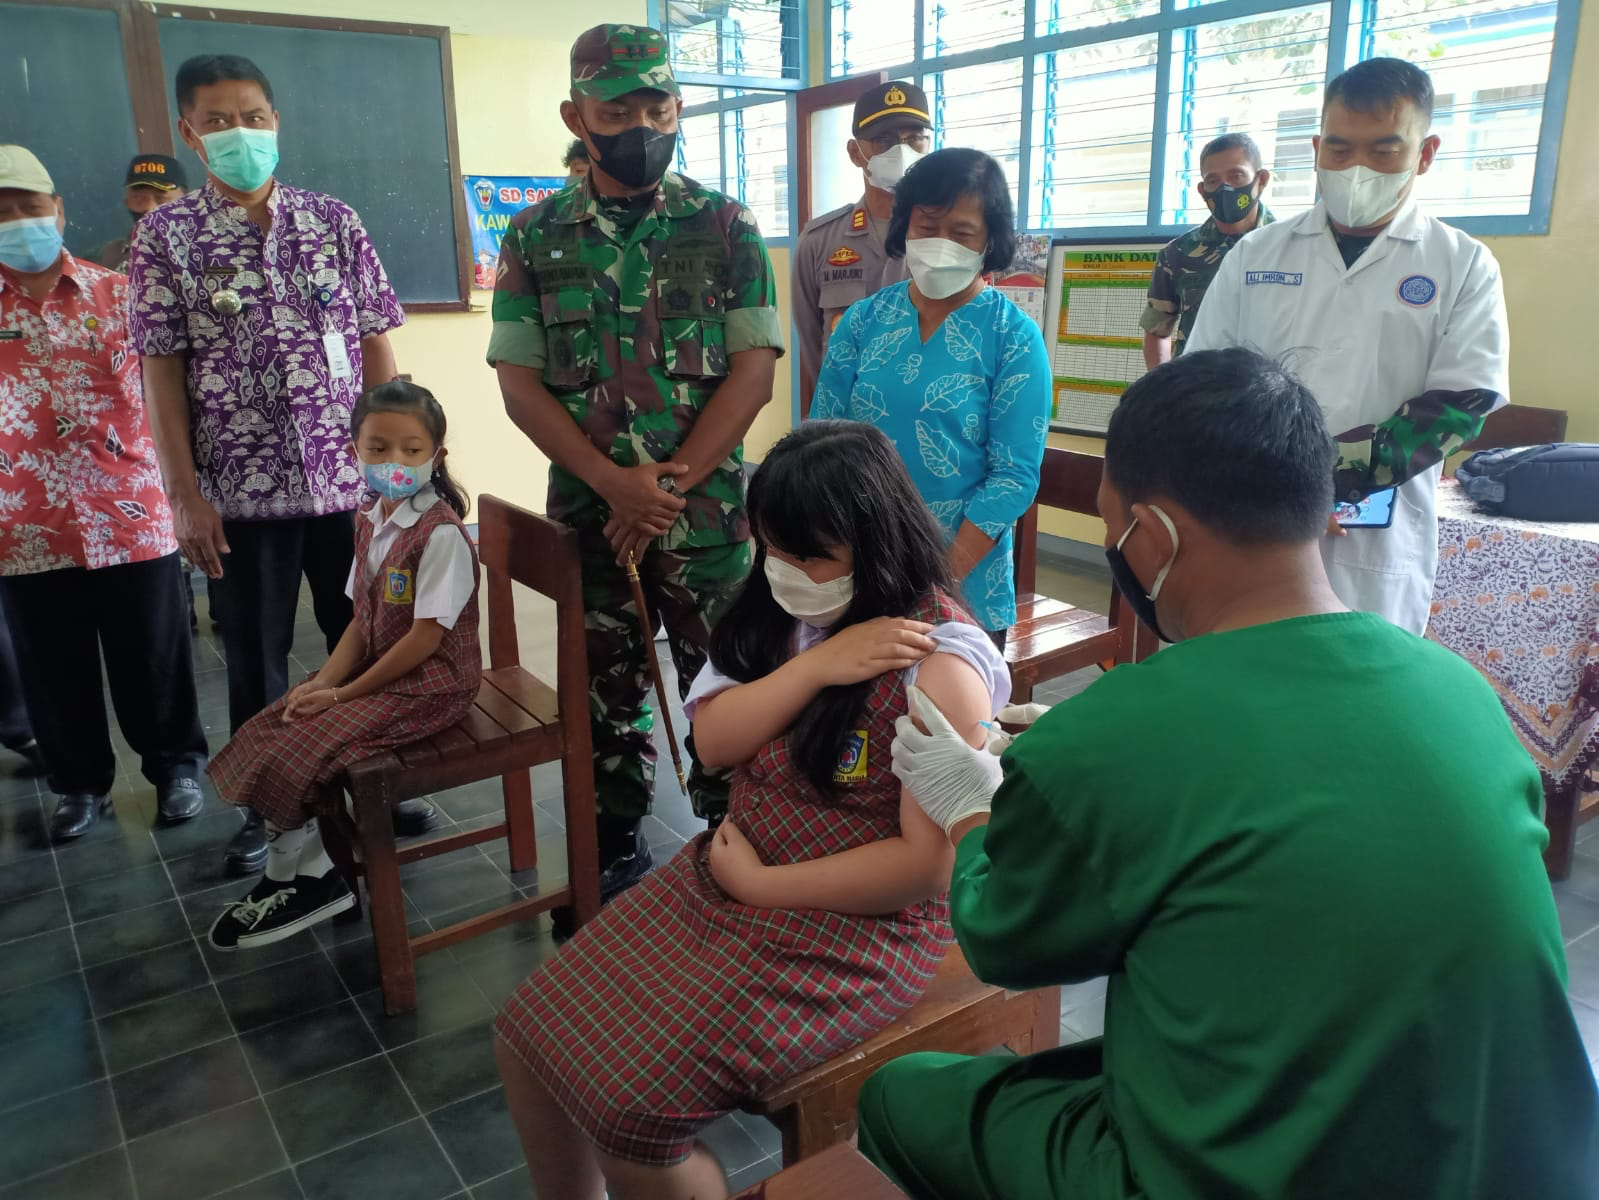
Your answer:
<point x="261" y="313"/>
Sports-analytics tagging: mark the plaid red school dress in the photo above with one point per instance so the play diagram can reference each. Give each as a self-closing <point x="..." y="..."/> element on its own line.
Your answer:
<point x="676" y="1004"/>
<point x="284" y="772"/>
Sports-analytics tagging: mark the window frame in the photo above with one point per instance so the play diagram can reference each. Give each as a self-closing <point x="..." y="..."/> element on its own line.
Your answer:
<point x="1343" y="42"/>
<point x="758" y="90"/>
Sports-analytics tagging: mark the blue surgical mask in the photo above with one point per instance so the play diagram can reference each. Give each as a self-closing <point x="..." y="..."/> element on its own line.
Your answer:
<point x="397" y="481"/>
<point x="30" y="245"/>
<point x="244" y="159"/>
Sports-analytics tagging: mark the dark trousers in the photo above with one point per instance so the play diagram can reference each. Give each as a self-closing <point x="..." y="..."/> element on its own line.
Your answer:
<point x="134" y="615"/>
<point x="15" y="727"/>
<point x="260" y="594"/>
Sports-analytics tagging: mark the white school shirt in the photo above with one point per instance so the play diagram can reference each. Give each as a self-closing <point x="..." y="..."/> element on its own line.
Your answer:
<point x="444" y="577"/>
<point x="1422" y="309"/>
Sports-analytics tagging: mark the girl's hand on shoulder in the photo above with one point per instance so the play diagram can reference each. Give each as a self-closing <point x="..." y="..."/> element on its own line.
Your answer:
<point x="735" y="865"/>
<point x="306" y="701"/>
<point x="871" y="648"/>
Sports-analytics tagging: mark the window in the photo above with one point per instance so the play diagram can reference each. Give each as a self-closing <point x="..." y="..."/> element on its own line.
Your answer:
<point x="737" y="61"/>
<point x="1119" y="96"/>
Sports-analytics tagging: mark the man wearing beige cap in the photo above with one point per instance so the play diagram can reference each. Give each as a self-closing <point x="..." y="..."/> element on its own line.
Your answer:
<point x="88" y="560"/>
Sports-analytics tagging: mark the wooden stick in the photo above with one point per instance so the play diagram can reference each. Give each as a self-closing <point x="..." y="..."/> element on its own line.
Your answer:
<point x="648" y="627"/>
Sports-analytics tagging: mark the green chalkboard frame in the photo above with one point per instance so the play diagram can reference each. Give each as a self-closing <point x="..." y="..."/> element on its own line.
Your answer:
<point x="155" y="120"/>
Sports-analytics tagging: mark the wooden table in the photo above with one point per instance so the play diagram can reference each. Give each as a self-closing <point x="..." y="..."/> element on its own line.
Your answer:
<point x="837" y="1173"/>
<point x="1519" y="600"/>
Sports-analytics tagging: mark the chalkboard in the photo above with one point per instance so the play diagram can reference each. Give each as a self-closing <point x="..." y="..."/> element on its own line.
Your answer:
<point x="363" y="118"/>
<point x="64" y="95"/>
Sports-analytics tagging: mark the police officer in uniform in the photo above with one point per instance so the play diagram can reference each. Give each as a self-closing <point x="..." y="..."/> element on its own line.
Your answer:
<point x="840" y="257"/>
<point x="635" y="338"/>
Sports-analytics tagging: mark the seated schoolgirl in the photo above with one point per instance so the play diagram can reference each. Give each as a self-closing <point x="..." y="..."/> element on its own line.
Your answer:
<point x="408" y="666"/>
<point x="815" y="915"/>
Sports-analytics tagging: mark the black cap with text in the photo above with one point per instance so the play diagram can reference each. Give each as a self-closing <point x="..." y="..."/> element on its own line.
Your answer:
<point x="156" y="171"/>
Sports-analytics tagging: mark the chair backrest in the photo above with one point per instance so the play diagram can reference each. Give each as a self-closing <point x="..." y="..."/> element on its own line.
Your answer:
<point x="1069" y="480"/>
<point x="1520" y="425"/>
<point x="517" y="546"/>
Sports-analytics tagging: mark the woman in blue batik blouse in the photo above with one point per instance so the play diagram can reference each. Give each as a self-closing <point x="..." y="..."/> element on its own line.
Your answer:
<point x="951" y="370"/>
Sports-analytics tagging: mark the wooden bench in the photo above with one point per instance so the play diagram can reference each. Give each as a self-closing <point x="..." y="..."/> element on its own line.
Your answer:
<point x="1052" y="638"/>
<point x="516" y="723"/>
<point x="960" y="1014"/>
<point x="838" y="1173"/>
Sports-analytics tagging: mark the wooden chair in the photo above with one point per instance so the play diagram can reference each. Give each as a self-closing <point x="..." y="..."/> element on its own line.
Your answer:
<point x="1052" y="638"/>
<point x="1519" y="425"/>
<point x="960" y="1014"/>
<point x="839" y="1173"/>
<point x="516" y="723"/>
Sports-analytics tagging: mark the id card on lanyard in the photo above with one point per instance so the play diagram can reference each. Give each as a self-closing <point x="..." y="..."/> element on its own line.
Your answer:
<point x="333" y="347"/>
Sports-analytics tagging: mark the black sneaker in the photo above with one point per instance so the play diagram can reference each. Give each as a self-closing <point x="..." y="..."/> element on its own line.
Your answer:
<point x="614" y="880"/>
<point x="238" y="917"/>
<point x="308" y="901"/>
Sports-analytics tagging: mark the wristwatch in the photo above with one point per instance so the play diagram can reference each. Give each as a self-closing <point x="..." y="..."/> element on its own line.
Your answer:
<point x="668" y="485"/>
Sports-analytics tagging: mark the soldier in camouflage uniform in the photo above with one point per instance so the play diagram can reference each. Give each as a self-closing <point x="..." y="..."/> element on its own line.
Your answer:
<point x="1232" y="182"/>
<point x="635" y="337"/>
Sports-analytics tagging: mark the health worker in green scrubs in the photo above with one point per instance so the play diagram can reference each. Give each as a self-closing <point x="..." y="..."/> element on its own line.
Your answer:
<point x="1303" y="844"/>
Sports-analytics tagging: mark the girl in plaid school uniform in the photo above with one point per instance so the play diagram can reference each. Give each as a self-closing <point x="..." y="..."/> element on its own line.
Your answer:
<point x="814" y="915"/>
<point x="408" y="666"/>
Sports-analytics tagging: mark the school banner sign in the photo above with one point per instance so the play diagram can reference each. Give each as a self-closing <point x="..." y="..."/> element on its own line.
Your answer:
<point x="493" y="200"/>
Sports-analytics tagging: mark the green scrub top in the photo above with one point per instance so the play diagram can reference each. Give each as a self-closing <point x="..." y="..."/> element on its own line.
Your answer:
<point x="1307" y="854"/>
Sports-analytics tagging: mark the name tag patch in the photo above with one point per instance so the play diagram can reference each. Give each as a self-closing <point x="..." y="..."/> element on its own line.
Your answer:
<point x="1286" y="278"/>
<point x="1418" y="291"/>
<point x="852" y="763"/>
<point x="397" y="587"/>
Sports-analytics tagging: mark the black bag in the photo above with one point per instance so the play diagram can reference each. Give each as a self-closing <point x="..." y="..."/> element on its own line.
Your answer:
<point x="1558" y="482"/>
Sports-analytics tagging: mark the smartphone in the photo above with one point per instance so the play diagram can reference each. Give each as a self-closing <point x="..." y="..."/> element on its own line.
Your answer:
<point x="1376" y="511"/>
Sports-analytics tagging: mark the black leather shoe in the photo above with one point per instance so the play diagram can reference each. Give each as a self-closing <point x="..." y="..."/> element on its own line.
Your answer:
<point x="76" y="814"/>
<point x="614" y="880"/>
<point x="412" y="818"/>
<point x="180" y="799"/>
<point x="247" y="852"/>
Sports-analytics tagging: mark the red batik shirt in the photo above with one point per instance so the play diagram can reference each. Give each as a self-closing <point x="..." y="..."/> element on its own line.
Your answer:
<point x="79" y="484"/>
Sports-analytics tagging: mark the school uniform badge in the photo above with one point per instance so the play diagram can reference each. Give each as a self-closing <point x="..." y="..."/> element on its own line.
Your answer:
<point x="843" y="257"/>
<point x="397" y="588"/>
<point x="852" y="763"/>
<point x="1418" y="291"/>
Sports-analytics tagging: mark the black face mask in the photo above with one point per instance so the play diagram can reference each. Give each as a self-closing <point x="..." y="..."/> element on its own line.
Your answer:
<point x="133" y="217"/>
<point x="1232" y="205"/>
<point x="636" y="158"/>
<point x="1127" y="583"/>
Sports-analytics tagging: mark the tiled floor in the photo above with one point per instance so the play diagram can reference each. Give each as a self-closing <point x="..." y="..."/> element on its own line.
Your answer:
<point x="134" y="1061"/>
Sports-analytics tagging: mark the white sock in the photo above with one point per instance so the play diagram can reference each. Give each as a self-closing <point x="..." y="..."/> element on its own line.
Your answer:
<point x="314" y="858"/>
<point x="283" y="851"/>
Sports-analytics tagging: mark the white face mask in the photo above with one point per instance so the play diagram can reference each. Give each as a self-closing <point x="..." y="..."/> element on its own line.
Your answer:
<point x="801" y="597"/>
<point x="941" y="267"/>
<point x="1358" y="197"/>
<point x="885" y="170"/>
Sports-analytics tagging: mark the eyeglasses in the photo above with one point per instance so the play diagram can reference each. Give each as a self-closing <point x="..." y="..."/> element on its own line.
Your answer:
<point x="920" y="140"/>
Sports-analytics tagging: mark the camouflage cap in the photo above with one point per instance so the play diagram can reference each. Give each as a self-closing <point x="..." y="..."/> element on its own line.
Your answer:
<point x="612" y="60"/>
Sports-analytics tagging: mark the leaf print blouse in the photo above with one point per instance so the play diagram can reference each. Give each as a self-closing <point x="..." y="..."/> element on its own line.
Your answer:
<point x="967" y="410"/>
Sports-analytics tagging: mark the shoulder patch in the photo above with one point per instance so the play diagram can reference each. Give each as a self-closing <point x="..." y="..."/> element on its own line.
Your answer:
<point x="843" y="257"/>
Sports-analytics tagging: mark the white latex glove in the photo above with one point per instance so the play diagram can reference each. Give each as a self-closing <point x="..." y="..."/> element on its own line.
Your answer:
<point x="1012" y="714"/>
<point x="949" y="778"/>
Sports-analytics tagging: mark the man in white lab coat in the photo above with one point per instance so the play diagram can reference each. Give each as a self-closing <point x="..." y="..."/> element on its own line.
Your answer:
<point x="1394" y="320"/>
